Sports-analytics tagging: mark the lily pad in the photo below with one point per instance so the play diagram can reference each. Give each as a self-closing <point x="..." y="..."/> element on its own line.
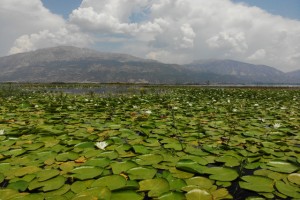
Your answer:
<point x="293" y="178"/>
<point x="282" y="166"/>
<point x="257" y="183"/>
<point x="86" y="172"/>
<point x="287" y="189"/>
<point x="202" y="182"/>
<point x="126" y="195"/>
<point x="221" y="173"/>
<point x="156" y="187"/>
<point x="112" y="182"/>
<point x="190" y="166"/>
<point x="172" y="196"/>
<point x="229" y="161"/>
<point x="140" y="173"/>
<point x="47" y="174"/>
<point x="119" y="167"/>
<point x="98" y="162"/>
<point x="102" y="193"/>
<point x="149" y="159"/>
<point x="198" y="194"/>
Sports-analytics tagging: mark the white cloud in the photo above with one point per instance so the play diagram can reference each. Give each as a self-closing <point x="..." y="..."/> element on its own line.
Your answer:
<point x="29" y="26"/>
<point x="168" y="30"/>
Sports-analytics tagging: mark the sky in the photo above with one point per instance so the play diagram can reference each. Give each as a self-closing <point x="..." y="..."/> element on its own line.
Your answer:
<point x="172" y="31"/>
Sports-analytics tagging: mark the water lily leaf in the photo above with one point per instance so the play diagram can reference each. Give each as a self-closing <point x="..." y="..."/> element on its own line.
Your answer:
<point x="14" y="152"/>
<point x="25" y="170"/>
<point x="139" y="173"/>
<point x="220" y="193"/>
<point x="102" y="193"/>
<point x="59" y="192"/>
<point x="53" y="184"/>
<point x="282" y="166"/>
<point x="119" y="167"/>
<point x="66" y="156"/>
<point x="18" y="185"/>
<point x="1" y="177"/>
<point x="98" y="162"/>
<point x="176" y="183"/>
<point x="84" y="145"/>
<point x="293" y="178"/>
<point x="190" y="166"/>
<point x="172" y="196"/>
<point x="140" y="149"/>
<point x="126" y="195"/>
<point x="257" y="183"/>
<point x="202" y="182"/>
<point x="47" y="174"/>
<point x="198" y="159"/>
<point x="80" y="186"/>
<point x="174" y="145"/>
<point x="29" y="197"/>
<point x="221" y="173"/>
<point x="229" y="161"/>
<point x="156" y="187"/>
<point x="180" y="174"/>
<point x="34" y="146"/>
<point x="112" y="182"/>
<point x="86" y="172"/>
<point x="149" y="159"/>
<point x="109" y="154"/>
<point x="287" y="189"/>
<point x="198" y="194"/>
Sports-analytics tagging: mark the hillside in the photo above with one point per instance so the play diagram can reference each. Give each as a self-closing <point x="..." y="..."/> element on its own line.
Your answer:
<point x="72" y="64"/>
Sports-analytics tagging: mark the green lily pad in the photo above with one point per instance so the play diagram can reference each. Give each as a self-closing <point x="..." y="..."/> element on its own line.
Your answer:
<point x="67" y="156"/>
<point x="140" y="173"/>
<point x="98" y="162"/>
<point x="282" y="166"/>
<point x="25" y="170"/>
<point x="1" y="177"/>
<point x="172" y="196"/>
<point x="293" y="178"/>
<point x="102" y="193"/>
<point x="220" y="194"/>
<point x="84" y="145"/>
<point x="202" y="182"/>
<point x="112" y="182"/>
<point x="288" y="190"/>
<point x="59" y="192"/>
<point x="198" y="194"/>
<point x="49" y="185"/>
<point x="156" y="187"/>
<point x="86" y="172"/>
<point x="80" y="186"/>
<point x="126" y="195"/>
<point x="229" y="161"/>
<point x="257" y="183"/>
<point x="119" y="167"/>
<point x="221" y="173"/>
<point x="149" y="159"/>
<point x="190" y="166"/>
<point x="18" y="185"/>
<point x="29" y="197"/>
<point x="47" y="174"/>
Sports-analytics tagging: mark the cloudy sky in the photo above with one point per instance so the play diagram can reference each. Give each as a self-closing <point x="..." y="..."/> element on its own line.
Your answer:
<point x="172" y="31"/>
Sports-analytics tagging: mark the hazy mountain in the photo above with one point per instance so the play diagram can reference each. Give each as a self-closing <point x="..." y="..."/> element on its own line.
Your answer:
<point x="249" y="73"/>
<point x="294" y="76"/>
<point x="72" y="64"/>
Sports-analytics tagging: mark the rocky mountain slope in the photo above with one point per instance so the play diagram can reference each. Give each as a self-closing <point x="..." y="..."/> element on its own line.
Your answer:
<point x="72" y="64"/>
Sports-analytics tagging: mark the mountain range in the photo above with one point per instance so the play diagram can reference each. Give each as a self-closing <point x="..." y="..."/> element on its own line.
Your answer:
<point x="73" y="64"/>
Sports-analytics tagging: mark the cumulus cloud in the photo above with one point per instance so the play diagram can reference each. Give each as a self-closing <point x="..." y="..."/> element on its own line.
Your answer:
<point x="28" y="25"/>
<point x="176" y="31"/>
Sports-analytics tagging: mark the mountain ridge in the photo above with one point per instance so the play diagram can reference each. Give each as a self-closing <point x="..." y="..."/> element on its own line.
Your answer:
<point x="73" y="64"/>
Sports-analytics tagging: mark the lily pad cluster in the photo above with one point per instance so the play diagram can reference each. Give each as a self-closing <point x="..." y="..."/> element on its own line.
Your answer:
<point x="162" y="143"/>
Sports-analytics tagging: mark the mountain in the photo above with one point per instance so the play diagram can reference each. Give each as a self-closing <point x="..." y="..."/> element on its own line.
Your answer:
<point x="249" y="73"/>
<point x="72" y="64"/>
<point x="294" y="76"/>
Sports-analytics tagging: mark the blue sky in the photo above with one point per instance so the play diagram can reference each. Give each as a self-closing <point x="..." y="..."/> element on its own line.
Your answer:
<point x="285" y="8"/>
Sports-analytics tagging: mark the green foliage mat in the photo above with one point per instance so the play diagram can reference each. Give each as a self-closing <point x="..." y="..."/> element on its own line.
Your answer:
<point x="153" y="142"/>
